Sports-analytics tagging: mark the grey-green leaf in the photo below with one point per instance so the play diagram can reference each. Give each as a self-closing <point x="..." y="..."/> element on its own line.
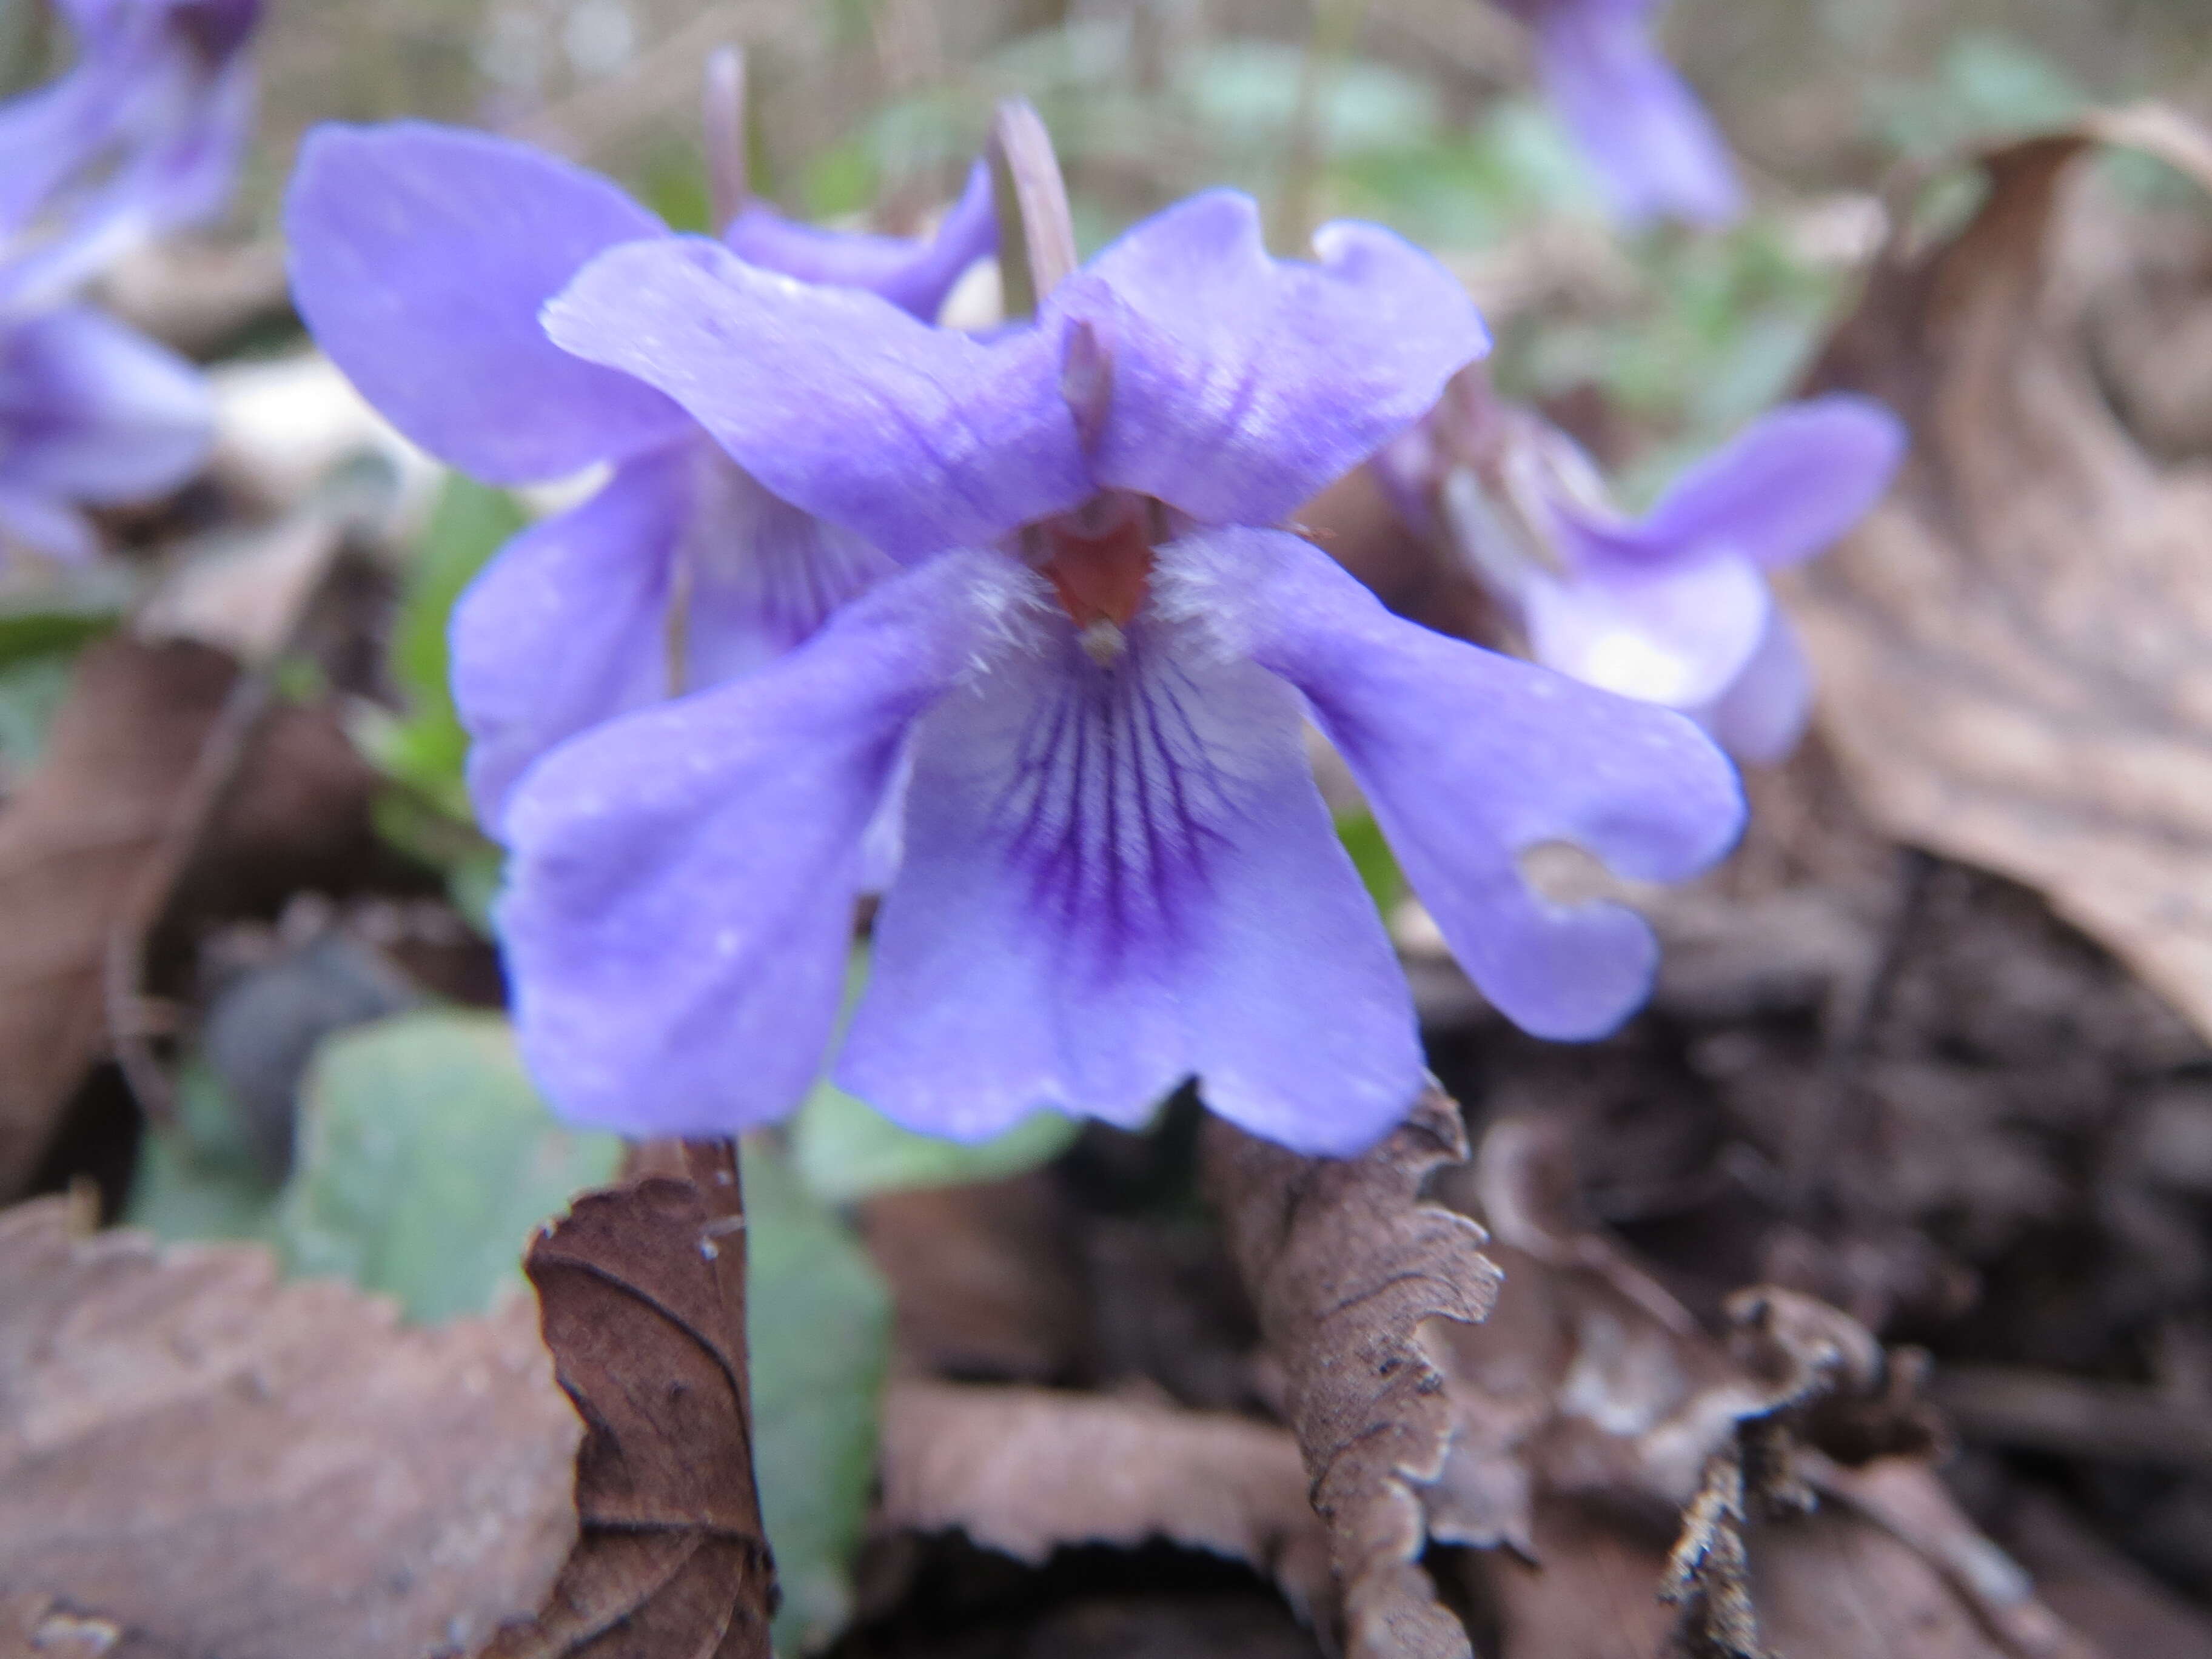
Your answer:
<point x="425" y="1157"/>
<point x="817" y="1319"/>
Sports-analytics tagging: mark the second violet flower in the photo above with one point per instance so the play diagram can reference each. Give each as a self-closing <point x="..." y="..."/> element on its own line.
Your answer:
<point x="1119" y="873"/>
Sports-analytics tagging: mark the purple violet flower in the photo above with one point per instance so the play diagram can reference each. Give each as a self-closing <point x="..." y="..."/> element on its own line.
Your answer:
<point x="421" y="257"/>
<point x="1118" y="872"/>
<point x="145" y="134"/>
<point x="1674" y="607"/>
<point x="91" y="415"/>
<point x="1656" y="150"/>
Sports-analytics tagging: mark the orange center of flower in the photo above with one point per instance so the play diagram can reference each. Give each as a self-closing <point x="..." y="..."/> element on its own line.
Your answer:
<point x="1099" y="560"/>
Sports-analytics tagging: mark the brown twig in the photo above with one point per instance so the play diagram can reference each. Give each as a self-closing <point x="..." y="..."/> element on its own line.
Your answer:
<point x="2044" y="1411"/>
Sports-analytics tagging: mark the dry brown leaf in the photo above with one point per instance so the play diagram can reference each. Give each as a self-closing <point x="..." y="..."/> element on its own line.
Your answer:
<point x="39" y="1628"/>
<point x="1345" y="1264"/>
<point x="72" y="844"/>
<point x="1592" y="1419"/>
<point x="641" y="1294"/>
<point x="1027" y="1470"/>
<point x="984" y="1278"/>
<point x="162" y="779"/>
<point x="2016" y="651"/>
<point x="217" y="1463"/>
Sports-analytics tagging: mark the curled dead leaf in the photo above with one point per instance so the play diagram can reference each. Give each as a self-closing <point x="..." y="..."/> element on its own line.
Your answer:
<point x="1028" y="1470"/>
<point x="213" y="1463"/>
<point x="641" y="1295"/>
<point x="1345" y="1264"/>
<point x="2015" y="650"/>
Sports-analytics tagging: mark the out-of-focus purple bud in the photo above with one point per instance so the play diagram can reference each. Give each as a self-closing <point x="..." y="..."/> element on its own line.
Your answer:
<point x="91" y="415"/>
<point x="1672" y="608"/>
<point x="144" y="135"/>
<point x="1656" y="150"/>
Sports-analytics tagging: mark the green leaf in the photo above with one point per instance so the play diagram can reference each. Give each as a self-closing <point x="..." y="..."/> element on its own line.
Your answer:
<point x="1371" y="856"/>
<point x="845" y="1148"/>
<point x="425" y="1158"/>
<point x="818" y="1321"/>
<point x="30" y="692"/>
<point x="198" y="1179"/>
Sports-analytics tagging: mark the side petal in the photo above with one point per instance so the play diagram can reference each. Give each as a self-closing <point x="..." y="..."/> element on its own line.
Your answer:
<point x="420" y="258"/>
<point x="919" y="439"/>
<point x="679" y="905"/>
<point x="1675" y="634"/>
<point x="763" y="574"/>
<point x="93" y="411"/>
<point x="1241" y="385"/>
<point x="1759" y="719"/>
<point x="1656" y="150"/>
<point x="566" y="627"/>
<point x="913" y="273"/>
<point x="1784" y="489"/>
<point x="1116" y="879"/>
<point x="1469" y="759"/>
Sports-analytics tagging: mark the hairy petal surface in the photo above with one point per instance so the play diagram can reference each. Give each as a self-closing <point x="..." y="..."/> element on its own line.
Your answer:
<point x="1676" y="633"/>
<point x="1116" y="879"/>
<point x="566" y="626"/>
<point x="1468" y="759"/>
<point x="1656" y="151"/>
<point x="763" y="574"/>
<point x="1760" y="718"/>
<point x="913" y="273"/>
<point x="918" y="438"/>
<point x="1787" y="486"/>
<point x="421" y="256"/>
<point x="680" y="895"/>
<point x="91" y="411"/>
<point x="1241" y="384"/>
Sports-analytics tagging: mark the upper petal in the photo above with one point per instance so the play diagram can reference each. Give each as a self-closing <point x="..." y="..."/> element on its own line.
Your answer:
<point x="1677" y="634"/>
<point x="93" y="411"/>
<point x="1656" y="152"/>
<point x="1468" y="759"/>
<point x="1785" y="488"/>
<point x="421" y="256"/>
<point x="919" y="439"/>
<point x="1118" y="878"/>
<point x="680" y="893"/>
<point x="913" y="273"/>
<point x="1241" y="385"/>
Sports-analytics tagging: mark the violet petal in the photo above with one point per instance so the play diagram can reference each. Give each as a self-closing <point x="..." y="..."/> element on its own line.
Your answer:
<point x="1469" y="759"/>
<point x="1119" y="877"/>
<point x="679" y="905"/>
<point x="420" y="258"/>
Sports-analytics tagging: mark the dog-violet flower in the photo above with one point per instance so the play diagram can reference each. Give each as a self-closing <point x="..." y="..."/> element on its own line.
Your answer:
<point x="91" y="415"/>
<point x="143" y="135"/>
<point x="1118" y="874"/>
<point x="1672" y="608"/>
<point x="421" y="257"/>
<point x="1656" y="151"/>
